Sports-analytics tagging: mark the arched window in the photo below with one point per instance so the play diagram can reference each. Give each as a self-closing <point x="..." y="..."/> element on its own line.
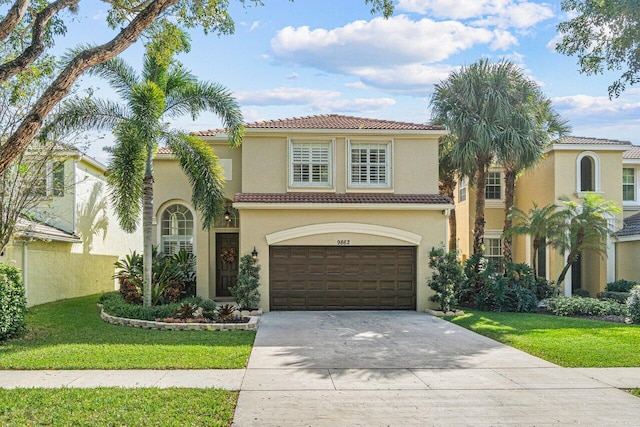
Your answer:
<point x="176" y="229"/>
<point x="588" y="178"/>
<point x="230" y="218"/>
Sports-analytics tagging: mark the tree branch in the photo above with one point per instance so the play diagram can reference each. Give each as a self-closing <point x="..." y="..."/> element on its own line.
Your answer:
<point x="13" y="18"/>
<point x="84" y="60"/>
<point x="35" y="49"/>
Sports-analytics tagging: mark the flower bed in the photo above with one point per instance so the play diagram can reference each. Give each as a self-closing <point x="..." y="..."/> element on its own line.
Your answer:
<point x="251" y="324"/>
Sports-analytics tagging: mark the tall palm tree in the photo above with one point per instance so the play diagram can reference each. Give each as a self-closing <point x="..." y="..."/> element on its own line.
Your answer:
<point x="542" y="224"/>
<point x="587" y="229"/>
<point x="447" y="183"/>
<point x="476" y="103"/>
<point x="536" y="125"/>
<point x="163" y="91"/>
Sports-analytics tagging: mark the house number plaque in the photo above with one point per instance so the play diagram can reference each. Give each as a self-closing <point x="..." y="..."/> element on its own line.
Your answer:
<point x="344" y="242"/>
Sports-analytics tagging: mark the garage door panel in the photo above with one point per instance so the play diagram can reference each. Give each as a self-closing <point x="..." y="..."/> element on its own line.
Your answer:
<point x="342" y="278"/>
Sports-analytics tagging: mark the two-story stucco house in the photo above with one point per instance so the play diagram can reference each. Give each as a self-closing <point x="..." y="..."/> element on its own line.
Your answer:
<point x="67" y="246"/>
<point x="571" y="167"/>
<point x="342" y="212"/>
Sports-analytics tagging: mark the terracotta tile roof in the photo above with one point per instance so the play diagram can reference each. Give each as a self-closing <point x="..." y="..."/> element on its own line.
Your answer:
<point x="633" y="153"/>
<point x="581" y="140"/>
<point x="164" y="150"/>
<point x="631" y="226"/>
<point x="30" y="228"/>
<point x="425" y="199"/>
<point x="329" y="121"/>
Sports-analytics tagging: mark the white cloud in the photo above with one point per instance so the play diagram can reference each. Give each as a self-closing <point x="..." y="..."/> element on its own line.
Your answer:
<point x="293" y="76"/>
<point x="284" y="96"/>
<point x="379" y="42"/>
<point x="100" y="15"/>
<point x="498" y="13"/>
<point x="587" y="104"/>
<point x="356" y="85"/>
<point x="254" y="25"/>
<point x="411" y="79"/>
<point x="551" y="45"/>
<point x="503" y="40"/>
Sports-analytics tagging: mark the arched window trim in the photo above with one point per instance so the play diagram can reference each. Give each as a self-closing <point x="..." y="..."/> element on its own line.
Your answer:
<point x="596" y="172"/>
<point x="159" y="223"/>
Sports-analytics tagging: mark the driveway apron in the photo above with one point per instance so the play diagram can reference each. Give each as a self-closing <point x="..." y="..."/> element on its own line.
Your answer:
<point x="388" y="368"/>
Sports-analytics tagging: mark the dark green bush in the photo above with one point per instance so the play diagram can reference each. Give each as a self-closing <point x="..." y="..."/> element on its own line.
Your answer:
<point x="208" y="304"/>
<point x="545" y="288"/>
<point x="245" y="292"/>
<point x="119" y="308"/>
<point x="581" y="293"/>
<point x="13" y="303"/>
<point x="572" y="306"/>
<point x="447" y="274"/>
<point x="619" y="297"/>
<point x="621" y="286"/>
<point x="477" y="278"/>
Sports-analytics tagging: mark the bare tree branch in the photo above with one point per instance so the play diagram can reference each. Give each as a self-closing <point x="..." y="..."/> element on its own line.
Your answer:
<point x="13" y="18"/>
<point x="33" y="51"/>
<point x="32" y="123"/>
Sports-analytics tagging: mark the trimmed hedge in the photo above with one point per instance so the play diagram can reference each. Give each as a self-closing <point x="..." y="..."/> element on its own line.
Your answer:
<point x="620" y="297"/>
<point x="572" y="306"/>
<point x="13" y="303"/>
<point x="621" y="286"/>
<point x="114" y="304"/>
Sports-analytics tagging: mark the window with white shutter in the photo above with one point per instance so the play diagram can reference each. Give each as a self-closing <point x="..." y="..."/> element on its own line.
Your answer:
<point x="310" y="164"/>
<point x="369" y="164"/>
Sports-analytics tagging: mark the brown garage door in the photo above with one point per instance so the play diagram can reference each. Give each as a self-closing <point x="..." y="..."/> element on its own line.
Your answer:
<point x="342" y="277"/>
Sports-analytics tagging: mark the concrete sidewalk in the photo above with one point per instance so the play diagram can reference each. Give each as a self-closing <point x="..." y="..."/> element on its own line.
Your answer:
<point x="330" y="379"/>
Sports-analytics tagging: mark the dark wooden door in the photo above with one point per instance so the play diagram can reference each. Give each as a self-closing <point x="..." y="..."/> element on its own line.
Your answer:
<point x="576" y="274"/>
<point x="342" y="278"/>
<point x="226" y="265"/>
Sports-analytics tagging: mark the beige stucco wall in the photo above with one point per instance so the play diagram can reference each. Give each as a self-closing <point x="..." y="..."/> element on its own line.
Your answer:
<point x="257" y="224"/>
<point x="414" y="168"/>
<point x="627" y="256"/>
<point x="55" y="273"/>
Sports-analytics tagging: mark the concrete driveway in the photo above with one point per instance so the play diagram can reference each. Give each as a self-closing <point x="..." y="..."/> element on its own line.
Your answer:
<point x="409" y="368"/>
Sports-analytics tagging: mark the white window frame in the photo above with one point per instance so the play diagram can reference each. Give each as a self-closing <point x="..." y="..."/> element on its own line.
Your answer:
<point x="500" y="185"/>
<point x="311" y="186"/>
<point x="179" y="238"/>
<point x="388" y="144"/>
<point x="635" y="186"/>
<point x="496" y="203"/>
<point x="596" y="172"/>
<point x="492" y="235"/>
<point x="462" y="189"/>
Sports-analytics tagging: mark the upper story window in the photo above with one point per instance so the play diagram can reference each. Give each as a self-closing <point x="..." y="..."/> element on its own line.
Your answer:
<point x="369" y="164"/>
<point x="588" y="172"/>
<point x="311" y="163"/>
<point x="176" y="229"/>
<point x="462" y="189"/>
<point x="50" y="179"/>
<point x="493" y="190"/>
<point x="628" y="184"/>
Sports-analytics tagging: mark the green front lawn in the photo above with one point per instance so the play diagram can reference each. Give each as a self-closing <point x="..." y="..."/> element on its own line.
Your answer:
<point x="566" y="341"/>
<point x="117" y="407"/>
<point x="69" y="334"/>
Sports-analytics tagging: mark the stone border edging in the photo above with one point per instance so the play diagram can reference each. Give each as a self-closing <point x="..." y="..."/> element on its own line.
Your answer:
<point x="252" y="325"/>
<point x="439" y="313"/>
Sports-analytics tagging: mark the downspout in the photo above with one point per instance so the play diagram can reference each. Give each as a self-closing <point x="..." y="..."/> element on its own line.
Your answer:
<point x="75" y="194"/>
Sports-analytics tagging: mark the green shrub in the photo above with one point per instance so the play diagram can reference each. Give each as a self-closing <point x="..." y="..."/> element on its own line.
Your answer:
<point x="109" y="296"/>
<point x="208" y="304"/>
<point x="513" y="291"/>
<point x="633" y="304"/>
<point x="477" y="279"/>
<point x="621" y="286"/>
<point x="13" y="303"/>
<point x="575" y="306"/>
<point x="245" y="292"/>
<point x="186" y="311"/>
<point x="119" y="308"/>
<point x="584" y="293"/>
<point x="619" y="297"/>
<point x="545" y="288"/>
<point x="447" y="274"/>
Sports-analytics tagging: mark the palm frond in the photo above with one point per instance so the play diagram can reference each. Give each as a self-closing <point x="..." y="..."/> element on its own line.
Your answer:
<point x="81" y="114"/>
<point x="125" y="175"/>
<point x="205" y="174"/>
<point x="120" y="75"/>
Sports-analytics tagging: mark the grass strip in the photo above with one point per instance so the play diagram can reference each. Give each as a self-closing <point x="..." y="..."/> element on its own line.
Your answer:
<point x="566" y="341"/>
<point x="117" y="407"/>
<point x="69" y="334"/>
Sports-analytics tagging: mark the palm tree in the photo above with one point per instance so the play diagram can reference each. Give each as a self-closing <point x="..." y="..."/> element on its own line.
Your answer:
<point x="476" y="104"/>
<point x="542" y="224"/>
<point x="536" y="126"/>
<point x="587" y="228"/>
<point x="447" y="183"/>
<point x="164" y="90"/>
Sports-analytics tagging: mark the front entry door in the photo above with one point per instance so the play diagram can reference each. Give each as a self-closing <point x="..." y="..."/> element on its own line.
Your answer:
<point x="576" y="274"/>
<point x="226" y="263"/>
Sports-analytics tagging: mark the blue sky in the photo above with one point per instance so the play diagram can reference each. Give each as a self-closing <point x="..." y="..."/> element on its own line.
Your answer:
<point x="291" y="59"/>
